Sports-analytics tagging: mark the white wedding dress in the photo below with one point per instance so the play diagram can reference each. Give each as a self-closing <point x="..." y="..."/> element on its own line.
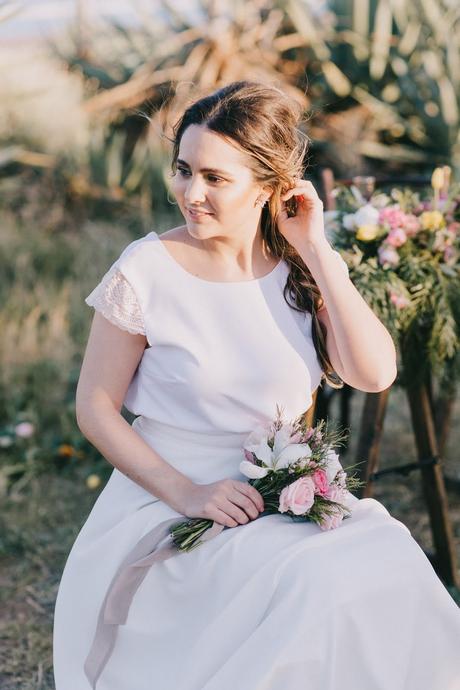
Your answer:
<point x="269" y="605"/>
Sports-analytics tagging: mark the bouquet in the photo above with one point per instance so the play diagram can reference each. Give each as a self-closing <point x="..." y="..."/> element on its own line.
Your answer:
<point x="403" y="252"/>
<point x="296" y="470"/>
<point x="389" y="227"/>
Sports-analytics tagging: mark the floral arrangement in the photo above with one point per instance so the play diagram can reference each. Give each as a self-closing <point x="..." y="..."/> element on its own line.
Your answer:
<point x="403" y="252"/>
<point x="296" y="470"/>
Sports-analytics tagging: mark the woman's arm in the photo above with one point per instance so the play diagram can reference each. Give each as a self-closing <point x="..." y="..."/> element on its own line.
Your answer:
<point x="110" y="361"/>
<point x="360" y="348"/>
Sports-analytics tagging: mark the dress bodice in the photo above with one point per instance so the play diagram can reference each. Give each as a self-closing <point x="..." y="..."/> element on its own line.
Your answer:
<point x="221" y="355"/>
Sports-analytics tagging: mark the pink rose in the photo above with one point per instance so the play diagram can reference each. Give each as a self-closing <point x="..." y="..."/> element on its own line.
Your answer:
<point x="331" y="521"/>
<point x="392" y="216"/>
<point x="388" y="255"/>
<point x="450" y="255"/>
<point x="320" y="481"/>
<point x="396" y="237"/>
<point x="297" y="497"/>
<point x="399" y="301"/>
<point x="411" y="225"/>
<point x="336" y="493"/>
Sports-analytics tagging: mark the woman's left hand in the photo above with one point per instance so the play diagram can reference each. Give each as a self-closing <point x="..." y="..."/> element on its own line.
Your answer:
<point x="306" y="227"/>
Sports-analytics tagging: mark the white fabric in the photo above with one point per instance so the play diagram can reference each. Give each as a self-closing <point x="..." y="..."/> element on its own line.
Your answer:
<point x="116" y="300"/>
<point x="272" y="604"/>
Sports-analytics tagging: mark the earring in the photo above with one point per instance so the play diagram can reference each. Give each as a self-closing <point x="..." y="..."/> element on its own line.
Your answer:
<point x="173" y="203"/>
<point x="261" y="203"/>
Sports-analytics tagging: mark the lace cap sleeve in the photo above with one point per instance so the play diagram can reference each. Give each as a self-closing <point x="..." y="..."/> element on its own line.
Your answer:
<point x="115" y="298"/>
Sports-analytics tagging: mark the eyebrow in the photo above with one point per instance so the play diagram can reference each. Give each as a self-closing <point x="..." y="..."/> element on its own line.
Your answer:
<point x="211" y="170"/>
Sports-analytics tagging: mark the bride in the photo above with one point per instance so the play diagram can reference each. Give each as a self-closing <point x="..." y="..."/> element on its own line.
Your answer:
<point x="201" y="333"/>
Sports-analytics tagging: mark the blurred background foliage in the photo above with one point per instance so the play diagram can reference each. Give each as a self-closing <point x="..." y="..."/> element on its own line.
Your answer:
<point x="92" y="117"/>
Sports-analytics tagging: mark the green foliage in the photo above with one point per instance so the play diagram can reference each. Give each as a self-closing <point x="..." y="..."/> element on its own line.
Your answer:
<point x="415" y="290"/>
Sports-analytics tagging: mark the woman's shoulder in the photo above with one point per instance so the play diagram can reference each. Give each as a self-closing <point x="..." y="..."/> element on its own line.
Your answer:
<point x="145" y="247"/>
<point x="137" y="247"/>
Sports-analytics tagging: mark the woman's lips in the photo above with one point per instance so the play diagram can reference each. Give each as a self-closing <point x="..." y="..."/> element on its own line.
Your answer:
<point x="196" y="215"/>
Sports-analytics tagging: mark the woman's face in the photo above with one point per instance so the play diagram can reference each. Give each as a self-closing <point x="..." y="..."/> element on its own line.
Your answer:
<point x="213" y="177"/>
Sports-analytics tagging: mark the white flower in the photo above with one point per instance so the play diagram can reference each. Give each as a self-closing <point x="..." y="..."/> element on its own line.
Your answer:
<point x="252" y="471"/>
<point x="283" y="454"/>
<point x="260" y="433"/>
<point x="340" y="478"/>
<point x="358" y="195"/>
<point x="282" y="438"/>
<point x="257" y="443"/>
<point x="333" y="465"/>
<point x="292" y="453"/>
<point x="24" y="429"/>
<point x="380" y="200"/>
<point x="6" y="441"/>
<point x="330" y="215"/>
<point x="262" y="451"/>
<point x="348" y="221"/>
<point x="367" y="215"/>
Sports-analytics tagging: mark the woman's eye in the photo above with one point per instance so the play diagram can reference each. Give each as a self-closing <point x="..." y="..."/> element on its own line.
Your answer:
<point x="212" y="178"/>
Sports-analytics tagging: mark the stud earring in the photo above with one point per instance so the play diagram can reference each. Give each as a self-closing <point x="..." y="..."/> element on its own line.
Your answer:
<point x="261" y="203"/>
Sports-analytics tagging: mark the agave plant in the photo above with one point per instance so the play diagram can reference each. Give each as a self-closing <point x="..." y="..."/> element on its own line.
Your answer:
<point x="139" y="79"/>
<point x="379" y="74"/>
<point x="400" y="61"/>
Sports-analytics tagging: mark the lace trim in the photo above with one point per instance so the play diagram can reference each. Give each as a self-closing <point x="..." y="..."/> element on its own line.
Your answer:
<point x="116" y="300"/>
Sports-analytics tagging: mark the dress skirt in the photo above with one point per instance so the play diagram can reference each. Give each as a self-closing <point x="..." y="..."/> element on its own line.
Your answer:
<point x="269" y="605"/>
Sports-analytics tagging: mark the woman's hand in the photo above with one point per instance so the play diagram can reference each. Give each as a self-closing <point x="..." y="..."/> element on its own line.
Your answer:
<point x="306" y="227"/>
<point x="228" y="502"/>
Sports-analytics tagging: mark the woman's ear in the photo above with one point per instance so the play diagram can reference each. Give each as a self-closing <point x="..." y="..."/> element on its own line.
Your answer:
<point x="267" y="192"/>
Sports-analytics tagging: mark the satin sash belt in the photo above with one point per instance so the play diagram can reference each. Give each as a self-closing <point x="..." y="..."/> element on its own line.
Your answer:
<point x="128" y="578"/>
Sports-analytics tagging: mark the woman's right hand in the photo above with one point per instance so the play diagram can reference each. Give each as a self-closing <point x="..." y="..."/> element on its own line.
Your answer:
<point x="229" y="502"/>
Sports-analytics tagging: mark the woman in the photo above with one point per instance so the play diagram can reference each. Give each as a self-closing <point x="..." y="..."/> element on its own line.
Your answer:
<point x="201" y="334"/>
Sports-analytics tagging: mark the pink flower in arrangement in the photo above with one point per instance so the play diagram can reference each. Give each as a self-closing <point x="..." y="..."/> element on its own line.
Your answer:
<point x="309" y="433"/>
<point x="399" y="301"/>
<point x="296" y="437"/>
<point x="335" y="493"/>
<point x="388" y="255"/>
<point x="454" y="228"/>
<point x="392" y="216"/>
<point x="396" y="237"/>
<point x="450" y="255"/>
<point x="297" y="497"/>
<point x="320" y="481"/>
<point x="411" y="225"/>
<point x="24" y="429"/>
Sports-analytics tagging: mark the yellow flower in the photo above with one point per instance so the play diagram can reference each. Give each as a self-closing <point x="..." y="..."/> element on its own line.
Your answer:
<point x="437" y="178"/>
<point x="65" y="451"/>
<point x="432" y="220"/>
<point x="367" y="232"/>
<point x="93" y="481"/>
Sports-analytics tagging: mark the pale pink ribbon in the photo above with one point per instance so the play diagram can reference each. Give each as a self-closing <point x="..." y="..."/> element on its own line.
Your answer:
<point x="125" y="583"/>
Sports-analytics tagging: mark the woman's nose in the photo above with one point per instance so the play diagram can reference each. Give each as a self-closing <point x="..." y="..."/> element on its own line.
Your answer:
<point x="194" y="191"/>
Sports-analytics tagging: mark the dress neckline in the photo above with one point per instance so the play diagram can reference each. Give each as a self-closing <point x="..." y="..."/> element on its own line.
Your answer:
<point x="215" y="282"/>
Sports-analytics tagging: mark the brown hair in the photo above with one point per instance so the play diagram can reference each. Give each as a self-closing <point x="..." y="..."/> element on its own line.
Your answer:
<point x="264" y="122"/>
